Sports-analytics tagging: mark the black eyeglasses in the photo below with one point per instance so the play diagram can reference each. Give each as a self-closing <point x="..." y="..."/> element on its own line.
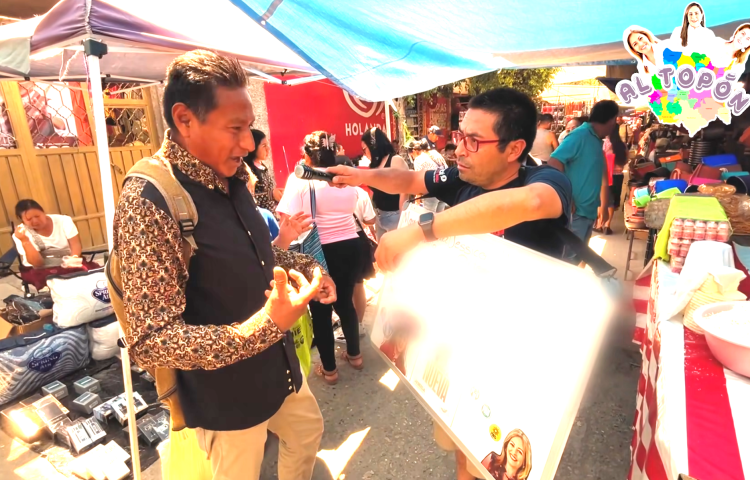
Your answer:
<point x="471" y="144"/>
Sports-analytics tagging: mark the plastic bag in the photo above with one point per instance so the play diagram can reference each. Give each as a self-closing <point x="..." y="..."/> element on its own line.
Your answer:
<point x="79" y="298"/>
<point x="182" y="457"/>
<point x="303" y="335"/>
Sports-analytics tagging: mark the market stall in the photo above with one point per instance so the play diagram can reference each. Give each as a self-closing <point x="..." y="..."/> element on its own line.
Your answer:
<point x="691" y="412"/>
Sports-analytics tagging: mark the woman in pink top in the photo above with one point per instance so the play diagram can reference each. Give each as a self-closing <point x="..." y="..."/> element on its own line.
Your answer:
<point x="334" y="217"/>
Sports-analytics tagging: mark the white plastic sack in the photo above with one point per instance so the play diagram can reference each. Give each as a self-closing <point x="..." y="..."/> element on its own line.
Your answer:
<point x="79" y="298"/>
<point x="103" y="335"/>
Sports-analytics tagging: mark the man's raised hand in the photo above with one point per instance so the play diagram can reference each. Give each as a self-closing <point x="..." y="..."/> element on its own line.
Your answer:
<point x="345" y="176"/>
<point x="285" y="304"/>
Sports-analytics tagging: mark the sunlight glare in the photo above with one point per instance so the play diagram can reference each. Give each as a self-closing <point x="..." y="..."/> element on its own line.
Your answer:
<point x="336" y="460"/>
<point x="390" y="380"/>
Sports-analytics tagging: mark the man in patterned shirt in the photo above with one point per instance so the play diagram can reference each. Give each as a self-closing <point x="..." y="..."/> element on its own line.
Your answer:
<point x="224" y="325"/>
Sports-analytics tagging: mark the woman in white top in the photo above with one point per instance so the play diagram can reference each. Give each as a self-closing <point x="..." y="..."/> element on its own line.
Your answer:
<point x="43" y="240"/>
<point x="334" y="218"/>
<point x="693" y="32"/>
<point x="644" y="47"/>
<point x="733" y="54"/>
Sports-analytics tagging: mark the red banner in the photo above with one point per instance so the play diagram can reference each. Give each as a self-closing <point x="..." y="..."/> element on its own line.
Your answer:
<point x="438" y="113"/>
<point x="295" y="111"/>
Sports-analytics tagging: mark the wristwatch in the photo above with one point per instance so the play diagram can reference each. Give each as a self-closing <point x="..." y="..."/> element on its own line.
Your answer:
<point x="425" y="223"/>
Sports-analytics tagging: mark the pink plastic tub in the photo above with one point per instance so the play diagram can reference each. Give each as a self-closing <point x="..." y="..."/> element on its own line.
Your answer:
<point x="727" y="329"/>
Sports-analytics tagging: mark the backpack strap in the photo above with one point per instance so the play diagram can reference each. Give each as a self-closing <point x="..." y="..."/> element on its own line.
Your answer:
<point x="159" y="173"/>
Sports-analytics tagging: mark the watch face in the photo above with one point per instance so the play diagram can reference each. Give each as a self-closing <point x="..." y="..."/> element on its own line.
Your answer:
<point x="426" y="218"/>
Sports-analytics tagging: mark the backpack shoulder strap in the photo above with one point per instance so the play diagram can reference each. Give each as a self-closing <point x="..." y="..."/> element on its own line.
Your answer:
<point x="159" y="173"/>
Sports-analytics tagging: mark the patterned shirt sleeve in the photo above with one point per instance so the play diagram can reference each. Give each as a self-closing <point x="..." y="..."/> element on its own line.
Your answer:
<point x="154" y="277"/>
<point x="304" y="264"/>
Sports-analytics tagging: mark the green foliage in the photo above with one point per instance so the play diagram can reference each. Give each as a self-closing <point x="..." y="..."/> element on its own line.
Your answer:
<point x="531" y="81"/>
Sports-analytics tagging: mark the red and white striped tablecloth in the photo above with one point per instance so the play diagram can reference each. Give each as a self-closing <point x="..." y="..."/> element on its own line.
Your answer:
<point x="692" y="415"/>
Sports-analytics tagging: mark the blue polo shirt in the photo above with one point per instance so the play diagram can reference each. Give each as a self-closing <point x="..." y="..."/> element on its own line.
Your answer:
<point x="582" y="155"/>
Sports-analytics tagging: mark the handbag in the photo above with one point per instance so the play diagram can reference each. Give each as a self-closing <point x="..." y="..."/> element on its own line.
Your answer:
<point x="370" y="242"/>
<point x="705" y="174"/>
<point x="727" y="175"/>
<point x="311" y="245"/>
<point x="641" y="167"/>
<point x="682" y="171"/>
<point x="726" y="162"/>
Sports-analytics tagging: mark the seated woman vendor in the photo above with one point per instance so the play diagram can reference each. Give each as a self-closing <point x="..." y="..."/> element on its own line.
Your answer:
<point x="43" y="241"/>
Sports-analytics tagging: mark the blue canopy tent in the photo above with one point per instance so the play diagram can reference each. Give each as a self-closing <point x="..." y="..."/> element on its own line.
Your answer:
<point x="391" y="48"/>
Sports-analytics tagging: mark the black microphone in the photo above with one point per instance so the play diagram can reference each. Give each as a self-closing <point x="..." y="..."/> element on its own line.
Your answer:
<point x="307" y="173"/>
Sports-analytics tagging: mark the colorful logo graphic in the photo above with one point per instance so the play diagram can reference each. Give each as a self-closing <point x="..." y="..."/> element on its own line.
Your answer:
<point x="101" y="292"/>
<point x="495" y="432"/>
<point x="691" y="78"/>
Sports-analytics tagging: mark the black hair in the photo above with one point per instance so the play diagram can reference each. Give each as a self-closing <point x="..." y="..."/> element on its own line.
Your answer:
<point x="618" y="147"/>
<point x="450" y="146"/>
<point x="516" y="116"/>
<point x="380" y="147"/>
<point x="25" y="205"/>
<point x="424" y="145"/>
<point x="249" y="159"/>
<point x="321" y="149"/>
<point x="545" y="117"/>
<point x="604" y="111"/>
<point x="582" y="119"/>
<point x="413" y="144"/>
<point x="192" y="79"/>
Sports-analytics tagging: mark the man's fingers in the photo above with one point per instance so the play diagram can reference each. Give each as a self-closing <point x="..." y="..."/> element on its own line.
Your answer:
<point x="313" y="288"/>
<point x="280" y="282"/>
<point x="300" y="279"/>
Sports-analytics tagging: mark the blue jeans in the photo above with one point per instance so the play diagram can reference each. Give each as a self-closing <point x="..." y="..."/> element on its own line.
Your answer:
<point x="582" y="227"/>
<point x="385" y="221"/>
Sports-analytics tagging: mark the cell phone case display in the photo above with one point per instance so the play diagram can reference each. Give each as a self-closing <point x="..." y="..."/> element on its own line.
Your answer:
<point x="685" y="231"/>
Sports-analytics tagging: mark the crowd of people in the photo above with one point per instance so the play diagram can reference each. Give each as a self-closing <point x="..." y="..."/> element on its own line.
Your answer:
<point x="224" y="322"/>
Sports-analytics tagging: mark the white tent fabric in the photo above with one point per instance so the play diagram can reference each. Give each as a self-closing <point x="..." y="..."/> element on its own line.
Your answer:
<point x="143" y="36"/>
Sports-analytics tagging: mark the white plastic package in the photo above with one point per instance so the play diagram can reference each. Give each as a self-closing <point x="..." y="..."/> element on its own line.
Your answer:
<point x="103" y="335"/>
<point x="79" y="298"/>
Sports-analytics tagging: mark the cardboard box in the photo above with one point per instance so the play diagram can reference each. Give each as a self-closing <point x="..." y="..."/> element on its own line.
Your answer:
<point x="8" y="329"/>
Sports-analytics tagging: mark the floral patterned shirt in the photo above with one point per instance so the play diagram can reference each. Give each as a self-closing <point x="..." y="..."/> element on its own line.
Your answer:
<point x="148" y="244"/>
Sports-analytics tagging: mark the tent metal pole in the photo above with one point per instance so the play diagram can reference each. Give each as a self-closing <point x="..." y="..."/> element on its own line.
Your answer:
<point x="388" y="119"/>
<point x="102" y="147"/>
<point x="268" y="77"/>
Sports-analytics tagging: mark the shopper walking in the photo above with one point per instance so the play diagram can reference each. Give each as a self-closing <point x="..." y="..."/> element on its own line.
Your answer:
<point x="332" y="210"/>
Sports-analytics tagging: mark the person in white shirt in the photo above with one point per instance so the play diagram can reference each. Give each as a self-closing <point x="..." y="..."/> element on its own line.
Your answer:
<point x="429" y="159"/>
<point x="569" y="127"/>
<point x="693" y="32"/>
<point x="336" y="226"/>
<point x="644" y="46"/>
<point x="733" y="54"/>
<point x="43" y="240"/>
<point x="545" y="142"/>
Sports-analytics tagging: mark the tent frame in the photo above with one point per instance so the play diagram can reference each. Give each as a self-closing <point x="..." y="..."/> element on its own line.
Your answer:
<point x="94" y="50"/>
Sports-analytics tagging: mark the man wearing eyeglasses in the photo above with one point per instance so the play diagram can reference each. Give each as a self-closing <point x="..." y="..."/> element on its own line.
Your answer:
<point x="489" y="190"/>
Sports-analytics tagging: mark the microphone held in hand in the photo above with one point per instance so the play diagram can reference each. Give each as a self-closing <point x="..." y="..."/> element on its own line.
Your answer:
<point x="307" y="173"/>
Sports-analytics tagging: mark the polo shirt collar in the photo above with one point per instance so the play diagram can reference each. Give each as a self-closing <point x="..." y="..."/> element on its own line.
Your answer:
<point x="194" y="168"/>
<point x="590" y="128"/>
